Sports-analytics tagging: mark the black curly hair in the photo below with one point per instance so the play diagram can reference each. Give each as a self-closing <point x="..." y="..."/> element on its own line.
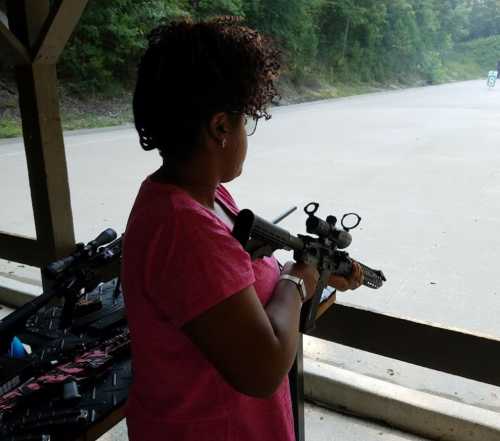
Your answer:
<point x="190" y="71"/>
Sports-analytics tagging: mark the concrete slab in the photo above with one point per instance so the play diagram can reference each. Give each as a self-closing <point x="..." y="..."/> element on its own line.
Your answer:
<point x="5" y="311"/>
<point x="321" y="425"/>
<point x="458" y="389"/>
<point x="15" y="293"/>
<point x="325" y="425"/>
<point x="407" y="409"/>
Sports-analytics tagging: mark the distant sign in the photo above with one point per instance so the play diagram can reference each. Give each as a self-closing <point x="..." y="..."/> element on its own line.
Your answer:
<point x="492" y="78"/>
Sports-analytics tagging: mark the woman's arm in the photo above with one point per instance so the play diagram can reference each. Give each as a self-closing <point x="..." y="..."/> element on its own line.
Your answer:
<point x="253" y="347"/>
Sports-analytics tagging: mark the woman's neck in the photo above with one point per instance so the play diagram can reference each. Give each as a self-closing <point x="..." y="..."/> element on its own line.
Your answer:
<point x="195" y="182"/>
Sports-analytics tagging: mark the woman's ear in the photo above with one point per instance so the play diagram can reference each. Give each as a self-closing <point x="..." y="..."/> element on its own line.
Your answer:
<point x="219" y="127"/>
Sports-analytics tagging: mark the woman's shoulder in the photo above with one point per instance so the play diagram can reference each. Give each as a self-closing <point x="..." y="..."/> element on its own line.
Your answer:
<point x="161" y="206"/>
<point x="226" y="197"/>
<point x="163" y="197"/>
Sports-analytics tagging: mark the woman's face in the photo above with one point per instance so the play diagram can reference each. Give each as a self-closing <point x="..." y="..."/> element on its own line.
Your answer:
<point x="235" y="150"/>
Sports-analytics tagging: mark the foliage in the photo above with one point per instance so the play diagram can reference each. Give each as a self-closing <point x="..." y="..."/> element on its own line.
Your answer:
<point x="109" y="40"/>
<point x="207" y="8"/>
<point x="330" y="47"/>
<point x="374" y="41"/>
<point x="484" y="52"/>
<point x="291" y="24"/>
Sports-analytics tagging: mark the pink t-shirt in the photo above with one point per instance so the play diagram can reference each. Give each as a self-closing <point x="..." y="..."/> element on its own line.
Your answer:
<point x="179" y="260"/>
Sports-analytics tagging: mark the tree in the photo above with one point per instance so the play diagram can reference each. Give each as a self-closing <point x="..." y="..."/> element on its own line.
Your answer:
<point x="210" y="8"/>
<point x="484" y="18"/>
<point x="110" y="38"/>
<point x="291" y="23"/>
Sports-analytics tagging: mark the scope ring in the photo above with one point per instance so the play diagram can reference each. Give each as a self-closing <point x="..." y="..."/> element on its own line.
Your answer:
<point x="358" y="219"/>
<point x="310" y="211"/>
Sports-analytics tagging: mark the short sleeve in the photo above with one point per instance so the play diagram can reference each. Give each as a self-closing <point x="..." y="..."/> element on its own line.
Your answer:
<point x="198" y="263"/>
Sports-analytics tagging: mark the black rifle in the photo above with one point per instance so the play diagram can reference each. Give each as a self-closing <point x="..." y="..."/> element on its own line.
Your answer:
<point x="71" y="275"/>
<point x="261" y="238"/>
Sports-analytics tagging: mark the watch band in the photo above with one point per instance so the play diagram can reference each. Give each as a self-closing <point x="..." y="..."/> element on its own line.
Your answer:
<point x="299" y="283"/>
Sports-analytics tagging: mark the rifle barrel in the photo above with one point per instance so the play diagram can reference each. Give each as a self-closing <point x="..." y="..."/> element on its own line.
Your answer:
<point x="285" y="214"/>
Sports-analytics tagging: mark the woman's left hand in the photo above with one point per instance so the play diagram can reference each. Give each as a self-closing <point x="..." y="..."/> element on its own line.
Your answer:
<point x="351" y="282"/>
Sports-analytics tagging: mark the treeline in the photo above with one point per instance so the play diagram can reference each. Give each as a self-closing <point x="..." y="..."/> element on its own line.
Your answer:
<point x="339" y="40"/>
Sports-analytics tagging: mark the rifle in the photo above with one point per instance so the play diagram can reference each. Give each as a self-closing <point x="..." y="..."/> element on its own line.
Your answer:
<point x="261" y="238"/>
<point x="83" y="367"/>
<point x="71" y="275"/>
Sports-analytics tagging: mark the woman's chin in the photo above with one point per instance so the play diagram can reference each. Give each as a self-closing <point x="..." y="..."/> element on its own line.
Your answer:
<point x="232" y="176"/>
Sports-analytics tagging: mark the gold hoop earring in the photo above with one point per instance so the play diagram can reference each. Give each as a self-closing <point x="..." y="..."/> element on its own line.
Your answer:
<point x="224" y="143"/>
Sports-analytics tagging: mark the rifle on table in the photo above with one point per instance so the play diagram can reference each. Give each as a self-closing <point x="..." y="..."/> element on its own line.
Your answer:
<point x="72" y="275"/>
<point x="261" y="238"/>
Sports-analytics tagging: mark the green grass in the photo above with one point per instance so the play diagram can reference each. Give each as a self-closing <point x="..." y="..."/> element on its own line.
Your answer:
<point x="10" y="127"/>
<point x="86" y="121"/>
<point x="461" y="70"/>
<point x="319" y="88"/>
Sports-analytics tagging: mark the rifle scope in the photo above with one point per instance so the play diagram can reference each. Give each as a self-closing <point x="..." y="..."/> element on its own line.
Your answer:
<point x="321" y="228"/>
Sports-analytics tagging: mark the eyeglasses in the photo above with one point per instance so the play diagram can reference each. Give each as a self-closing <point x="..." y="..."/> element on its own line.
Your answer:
<point x="250" y="125"/>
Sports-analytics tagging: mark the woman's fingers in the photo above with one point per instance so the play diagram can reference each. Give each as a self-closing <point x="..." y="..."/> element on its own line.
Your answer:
<point x="356" y="277"/>
<point x="353" y="281"/>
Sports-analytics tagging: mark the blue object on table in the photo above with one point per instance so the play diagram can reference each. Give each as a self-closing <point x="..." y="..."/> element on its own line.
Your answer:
<point x="17" y="349"/>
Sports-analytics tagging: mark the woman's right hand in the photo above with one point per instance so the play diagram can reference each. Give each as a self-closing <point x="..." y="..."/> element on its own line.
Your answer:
<point x="308" y="273"/>
<point x="227" y="332"/>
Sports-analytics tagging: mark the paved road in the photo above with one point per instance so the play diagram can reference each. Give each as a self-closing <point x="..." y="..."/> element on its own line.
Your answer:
<point x="421" y="166"/>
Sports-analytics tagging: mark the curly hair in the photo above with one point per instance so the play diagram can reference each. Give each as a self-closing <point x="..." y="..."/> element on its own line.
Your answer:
<point x="190" y="71"/>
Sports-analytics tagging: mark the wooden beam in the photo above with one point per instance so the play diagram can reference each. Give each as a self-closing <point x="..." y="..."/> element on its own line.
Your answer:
<point x="42" y="132"/>
<point x="325" y="306"/>
<point x="27" y="18"/>
<point x="54" y="38"/>
<point x="47" y="170"/>
<point x="21" y="249"/>
<point x="12" y="49"/>
<point x="447" y="350"/>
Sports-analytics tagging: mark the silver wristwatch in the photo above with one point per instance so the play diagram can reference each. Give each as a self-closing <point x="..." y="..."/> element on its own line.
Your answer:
<point x="299" y="283"/>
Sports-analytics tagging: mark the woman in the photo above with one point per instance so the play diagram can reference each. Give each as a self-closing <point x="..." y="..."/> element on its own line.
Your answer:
<point x="213" y="333"/>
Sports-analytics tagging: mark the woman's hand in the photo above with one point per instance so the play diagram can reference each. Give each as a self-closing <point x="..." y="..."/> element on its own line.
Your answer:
<point x="306" y="272"/>
<point x="353" y="281"/>
<point x="254" y="369"/>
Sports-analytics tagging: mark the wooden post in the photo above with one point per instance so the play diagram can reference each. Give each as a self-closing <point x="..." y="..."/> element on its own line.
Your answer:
<point x="44" y="145"/>
<point x="35" y="40"/>
<point x="12" y="48"/>
<point x="26" y="19"/>
<point x="57" y="31"/>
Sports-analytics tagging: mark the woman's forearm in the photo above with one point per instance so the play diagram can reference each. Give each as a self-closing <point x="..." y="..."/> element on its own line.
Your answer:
<point x="283" y="311"/>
